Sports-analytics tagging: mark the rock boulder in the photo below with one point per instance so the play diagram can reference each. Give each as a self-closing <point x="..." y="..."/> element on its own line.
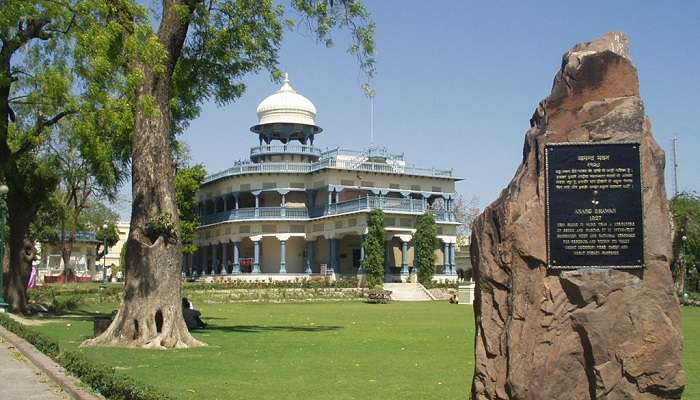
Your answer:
<point x="583" y="334"/>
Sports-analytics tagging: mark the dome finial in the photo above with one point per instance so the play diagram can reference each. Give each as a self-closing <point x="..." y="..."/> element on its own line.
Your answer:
<point x="286" y="77"/>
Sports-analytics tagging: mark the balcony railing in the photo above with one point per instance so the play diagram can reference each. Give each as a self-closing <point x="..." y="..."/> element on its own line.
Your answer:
<point x="81" y="236"/>
<point x="259" y="213"/>
<point x="404" y="205"/>
<point x="331" y="159"/>
<point x="285" y="149"/>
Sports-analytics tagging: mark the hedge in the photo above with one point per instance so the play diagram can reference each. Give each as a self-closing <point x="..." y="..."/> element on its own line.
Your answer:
<point x="102" y="379"/>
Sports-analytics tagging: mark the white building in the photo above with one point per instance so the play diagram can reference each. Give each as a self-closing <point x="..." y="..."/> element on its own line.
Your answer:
<point x="82" y="264"/>
<point x="294" y="211"/>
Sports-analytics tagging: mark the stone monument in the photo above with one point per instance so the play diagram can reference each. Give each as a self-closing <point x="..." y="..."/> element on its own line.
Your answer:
<point x="574" y="294"/>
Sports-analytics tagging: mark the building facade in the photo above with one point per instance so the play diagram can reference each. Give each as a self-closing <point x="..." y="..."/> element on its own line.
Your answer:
<point x="293" y="211"/>
<point x="82" y="262"/>
<point x="114" y="253"/>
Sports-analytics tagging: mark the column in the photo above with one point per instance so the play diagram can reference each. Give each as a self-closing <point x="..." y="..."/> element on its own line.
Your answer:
<point x="404" y="257"/>
<point x="361" y="268"/>
<point x="387" y="244"/>
<point x="331" y="255"/>
<point x="198" y="260"/>
<point x="207" y="260"/>
<point x="283" y="211"/>
<point x="446" y="257"/>
<point x="453" y="266"/>
<point x="309" y="256"/>
<point x="283" y="256"/>
<point x="256" y="259"/>
<point x="257" y="203"/>
<point x="224" y="258"/>
<point x="336" y="260"/>
<point x="236" y="255"/>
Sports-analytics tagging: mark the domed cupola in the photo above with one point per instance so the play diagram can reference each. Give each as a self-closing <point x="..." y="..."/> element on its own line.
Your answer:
<point x="285" y="116"/>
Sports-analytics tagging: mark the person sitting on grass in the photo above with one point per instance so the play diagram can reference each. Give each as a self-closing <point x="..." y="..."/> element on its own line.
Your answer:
<point x="192" y="316"/>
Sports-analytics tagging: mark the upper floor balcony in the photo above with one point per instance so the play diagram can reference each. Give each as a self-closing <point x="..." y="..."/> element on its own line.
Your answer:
<point x="362" y="204"/>
<point x="368" y="161"/>
<point x="257" y="153"/>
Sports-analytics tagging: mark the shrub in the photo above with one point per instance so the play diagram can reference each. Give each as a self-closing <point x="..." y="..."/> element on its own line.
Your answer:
<point x="425" y="241"/>
<point x="374" y="248"/>
<point x="105" y="381"/>
<point x="42" y="343"/>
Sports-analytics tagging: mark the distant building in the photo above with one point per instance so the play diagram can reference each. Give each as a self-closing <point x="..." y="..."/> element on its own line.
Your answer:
<point x="82" y="259"/>
<point x="293" y="210"/>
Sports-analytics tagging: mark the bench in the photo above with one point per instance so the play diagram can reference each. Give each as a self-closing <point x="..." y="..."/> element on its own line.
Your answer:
<point x="378" y="296"/>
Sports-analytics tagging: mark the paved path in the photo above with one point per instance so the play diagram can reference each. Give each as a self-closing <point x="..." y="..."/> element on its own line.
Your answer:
<point x="21" y="380"/>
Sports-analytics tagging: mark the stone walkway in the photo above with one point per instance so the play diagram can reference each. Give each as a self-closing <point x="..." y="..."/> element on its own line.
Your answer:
<point x="21" y="380"/>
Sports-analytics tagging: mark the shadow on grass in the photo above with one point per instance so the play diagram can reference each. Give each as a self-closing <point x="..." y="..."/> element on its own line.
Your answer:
<point x="270" y="328"/>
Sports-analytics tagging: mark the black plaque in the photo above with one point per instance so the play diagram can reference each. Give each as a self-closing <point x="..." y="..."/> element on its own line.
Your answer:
<point x="594" y="206"/>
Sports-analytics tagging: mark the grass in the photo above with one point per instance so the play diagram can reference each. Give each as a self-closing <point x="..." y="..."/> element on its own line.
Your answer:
<point x="691" y="351"/>
<point x="345" y="350"/>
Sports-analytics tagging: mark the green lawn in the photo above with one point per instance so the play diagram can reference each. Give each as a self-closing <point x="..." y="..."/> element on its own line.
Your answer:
<point x="344" y="350"/>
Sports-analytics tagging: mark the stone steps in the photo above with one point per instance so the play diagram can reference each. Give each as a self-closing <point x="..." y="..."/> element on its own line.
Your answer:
<point x="408" y="292"/>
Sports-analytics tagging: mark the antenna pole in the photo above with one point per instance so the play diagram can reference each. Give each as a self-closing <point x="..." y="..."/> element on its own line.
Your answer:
<point x="675" y="167"/>
<point x="371" y="121"/>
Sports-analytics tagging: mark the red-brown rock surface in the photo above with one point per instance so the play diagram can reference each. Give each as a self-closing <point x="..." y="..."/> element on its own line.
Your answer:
<point x="595" y="334"/>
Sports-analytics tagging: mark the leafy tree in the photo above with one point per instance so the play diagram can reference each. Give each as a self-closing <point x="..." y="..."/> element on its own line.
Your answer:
<point x="83" y="182"/>
<point x="187" y="182"/>
<point x="374" y="248"/>
<point x="424" y="241"/>
<point x="465" y="213"/>
<point x="46" y="81"/>
<point x="199" y="50"/>
<point x="686" y="221"/>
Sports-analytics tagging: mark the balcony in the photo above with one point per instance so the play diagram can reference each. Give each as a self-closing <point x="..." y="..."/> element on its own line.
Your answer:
<point x="243" y="214"/>
<point x="388" y="204"/>
<point x="292" y="149"/>
<point x="333" y="159"/>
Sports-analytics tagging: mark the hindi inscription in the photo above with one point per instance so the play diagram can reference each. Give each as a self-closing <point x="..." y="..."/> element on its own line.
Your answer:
<point x="594" y="206"/>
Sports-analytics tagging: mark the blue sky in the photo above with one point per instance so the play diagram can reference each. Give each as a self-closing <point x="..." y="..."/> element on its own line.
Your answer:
<point x="457" y="82"/>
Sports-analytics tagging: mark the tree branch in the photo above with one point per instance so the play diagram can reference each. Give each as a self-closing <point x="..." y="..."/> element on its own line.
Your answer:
<point x="41" y="125"/>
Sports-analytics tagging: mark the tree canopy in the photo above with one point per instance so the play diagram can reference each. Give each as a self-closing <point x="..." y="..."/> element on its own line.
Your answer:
<point x="47" y="84"/>
<point x="686" y="220"/>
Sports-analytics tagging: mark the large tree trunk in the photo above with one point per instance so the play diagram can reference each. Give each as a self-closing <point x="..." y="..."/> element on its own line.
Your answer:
<point x="22" y="253"/>
<point x="66" y="252"/>
<point x="151" y="312"/>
